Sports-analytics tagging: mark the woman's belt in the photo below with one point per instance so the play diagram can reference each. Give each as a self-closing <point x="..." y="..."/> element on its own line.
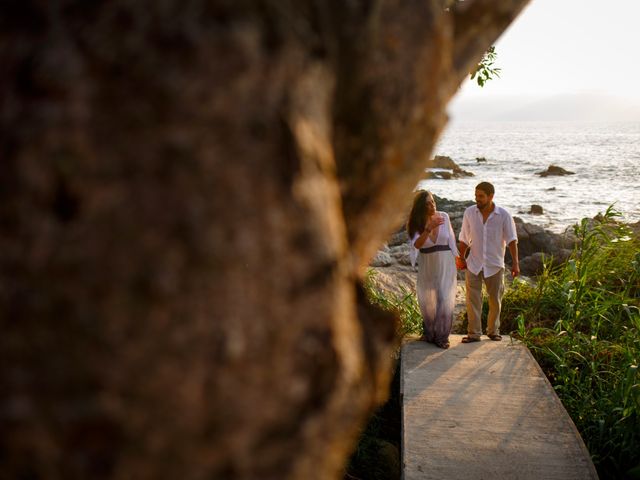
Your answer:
<point x="435" y="248"/>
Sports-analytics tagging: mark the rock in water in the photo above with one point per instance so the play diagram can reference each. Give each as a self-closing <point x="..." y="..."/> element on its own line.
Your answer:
<point x="554" y="170"/>
<point x="442" y="161"/>
<point x="536" y="210"/>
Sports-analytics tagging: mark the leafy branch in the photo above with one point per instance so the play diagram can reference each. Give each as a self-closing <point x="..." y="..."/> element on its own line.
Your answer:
<point x="485" y="70"/>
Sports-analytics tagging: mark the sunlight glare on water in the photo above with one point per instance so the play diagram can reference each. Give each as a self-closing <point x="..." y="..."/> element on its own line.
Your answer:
<point x="604" y="156"/>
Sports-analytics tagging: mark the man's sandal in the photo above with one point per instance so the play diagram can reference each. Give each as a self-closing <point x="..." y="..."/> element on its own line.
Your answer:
<point x="495" y="337"/>
<point x="469" y="339"/>
<point x="444" y="345"/>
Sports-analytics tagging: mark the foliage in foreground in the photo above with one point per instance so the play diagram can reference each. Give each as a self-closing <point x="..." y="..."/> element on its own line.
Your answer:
<point x="485" y="70"/>
<point x="582" y="323"/>
<point x="377" y="455"/>
<point x="405" y="304"/>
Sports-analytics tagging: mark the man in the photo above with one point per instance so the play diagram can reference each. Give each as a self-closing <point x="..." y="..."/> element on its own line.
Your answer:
<point x="486" y="229"/>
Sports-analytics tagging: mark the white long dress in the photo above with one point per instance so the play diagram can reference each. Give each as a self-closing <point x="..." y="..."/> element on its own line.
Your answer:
<point x="436" y="285"/>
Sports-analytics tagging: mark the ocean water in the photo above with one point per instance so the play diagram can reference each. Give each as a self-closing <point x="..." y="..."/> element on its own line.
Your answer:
<point x="604" y="156"/>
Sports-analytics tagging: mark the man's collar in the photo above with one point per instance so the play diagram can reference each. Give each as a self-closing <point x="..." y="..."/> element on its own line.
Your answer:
<point x="495" y="209"/>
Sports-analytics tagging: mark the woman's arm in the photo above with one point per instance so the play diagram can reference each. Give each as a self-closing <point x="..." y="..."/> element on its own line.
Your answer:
<point x="422" y="238"/>
<point x="434" y="222"/>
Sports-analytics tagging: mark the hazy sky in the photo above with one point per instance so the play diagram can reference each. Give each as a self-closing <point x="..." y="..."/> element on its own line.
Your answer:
<point x="569" y="46"/>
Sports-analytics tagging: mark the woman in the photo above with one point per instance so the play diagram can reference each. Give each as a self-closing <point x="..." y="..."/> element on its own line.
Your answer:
<point x="432" y="237"/>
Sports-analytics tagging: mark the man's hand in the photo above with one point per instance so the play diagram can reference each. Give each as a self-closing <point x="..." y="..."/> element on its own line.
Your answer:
<point x="515" y="264"/>
<point x="460" y="263"/>
<point x="515" y="270"/>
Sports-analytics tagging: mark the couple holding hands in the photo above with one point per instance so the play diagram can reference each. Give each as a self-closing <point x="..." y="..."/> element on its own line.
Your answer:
<point x="486" y="231"/>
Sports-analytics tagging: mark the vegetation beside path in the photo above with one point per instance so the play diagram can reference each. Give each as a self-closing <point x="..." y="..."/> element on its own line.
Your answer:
<point x="581" y="321"/>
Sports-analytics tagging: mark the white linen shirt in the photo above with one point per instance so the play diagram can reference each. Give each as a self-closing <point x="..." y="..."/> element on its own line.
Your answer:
<point x="445" y="237"/>
<point x="487" y="240"/>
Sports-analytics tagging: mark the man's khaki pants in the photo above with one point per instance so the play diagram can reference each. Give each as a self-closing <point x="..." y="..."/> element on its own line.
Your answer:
<point x="495" y="289"/>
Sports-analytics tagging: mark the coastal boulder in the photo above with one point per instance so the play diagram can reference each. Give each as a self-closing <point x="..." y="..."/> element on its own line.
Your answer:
<point x="458" y="172"/>
<point x="536" y="210"/>
<point x="446" y="163"/>
<point x="534" y="238"/>
<point x="533" y="264"/>
<point x="442" y="161"/>
<point x="521" y="231"/>
<point x="399" y="238"/>
<point x="400" y="254"/>
<point x="441" y="174"/>
<point x="554" y="170"/>
<point x="455" y="209"/>
<point x="382" y="259"/>
<point x="567" y="240"/>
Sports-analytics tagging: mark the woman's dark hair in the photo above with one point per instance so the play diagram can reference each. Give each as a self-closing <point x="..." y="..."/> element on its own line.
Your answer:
<point x="418" y="215"/>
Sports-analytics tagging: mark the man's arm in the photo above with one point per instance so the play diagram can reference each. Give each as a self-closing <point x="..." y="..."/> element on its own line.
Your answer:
<point x="460" y="261"/>
<point x="515" y="263"/>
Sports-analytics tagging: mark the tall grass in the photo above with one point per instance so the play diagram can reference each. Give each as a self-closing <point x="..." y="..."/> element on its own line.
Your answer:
<point x="582" y="323"/>
<point x="581" y="320"/>
<point x="404" y="303"/>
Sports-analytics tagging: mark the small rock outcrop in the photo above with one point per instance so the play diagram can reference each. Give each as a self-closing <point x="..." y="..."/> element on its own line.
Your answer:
<point x="534" y="243"/>
<point x="382" y="259"/>
<point x="446" y="163"/>
<point x="536" y="209"/>
<point x="554" y="170"/>
<point x="442" y="161"/>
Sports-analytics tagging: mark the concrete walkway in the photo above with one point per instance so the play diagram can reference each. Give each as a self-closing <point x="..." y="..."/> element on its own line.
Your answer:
<point x="485" y="411"/>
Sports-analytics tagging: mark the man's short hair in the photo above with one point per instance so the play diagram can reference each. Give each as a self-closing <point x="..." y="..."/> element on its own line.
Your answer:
<point x="486" y="187"/>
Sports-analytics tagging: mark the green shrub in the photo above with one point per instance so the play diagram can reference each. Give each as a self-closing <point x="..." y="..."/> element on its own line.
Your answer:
<point x="405" y="304"/>
<point x="582" y="323"/>
<point x="581" y="320"/>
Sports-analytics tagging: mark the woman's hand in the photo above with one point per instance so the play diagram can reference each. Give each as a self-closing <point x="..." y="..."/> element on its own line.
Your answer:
<point x="434" y="222"/>
<point x="461" y="264"/>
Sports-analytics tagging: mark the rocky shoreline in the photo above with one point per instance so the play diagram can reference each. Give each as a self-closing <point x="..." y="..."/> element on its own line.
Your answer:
<point x="394" y="273"/>
<point x="392" y="264"/>
<point x="534" y="242"/>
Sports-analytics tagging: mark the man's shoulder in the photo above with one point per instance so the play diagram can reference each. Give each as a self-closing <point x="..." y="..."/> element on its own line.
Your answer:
<point x="470" y="209"/>
<point x="502" y="211"/>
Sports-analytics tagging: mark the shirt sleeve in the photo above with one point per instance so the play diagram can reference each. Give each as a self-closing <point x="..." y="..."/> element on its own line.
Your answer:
<point x="452" y="236"/>
<point x="509" y="232"/>
<point x="465" y="234"/>
<point x="413" y="251"/>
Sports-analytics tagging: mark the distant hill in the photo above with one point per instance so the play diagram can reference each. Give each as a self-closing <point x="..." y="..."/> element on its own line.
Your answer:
<point x="570" y="107"/>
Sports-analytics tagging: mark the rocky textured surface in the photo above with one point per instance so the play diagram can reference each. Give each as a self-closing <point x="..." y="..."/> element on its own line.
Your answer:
<point x="554" y="170"/>
<point x="534" y="242"/>
<point x="190" y="194"/>
<point x="444" y="162"/>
